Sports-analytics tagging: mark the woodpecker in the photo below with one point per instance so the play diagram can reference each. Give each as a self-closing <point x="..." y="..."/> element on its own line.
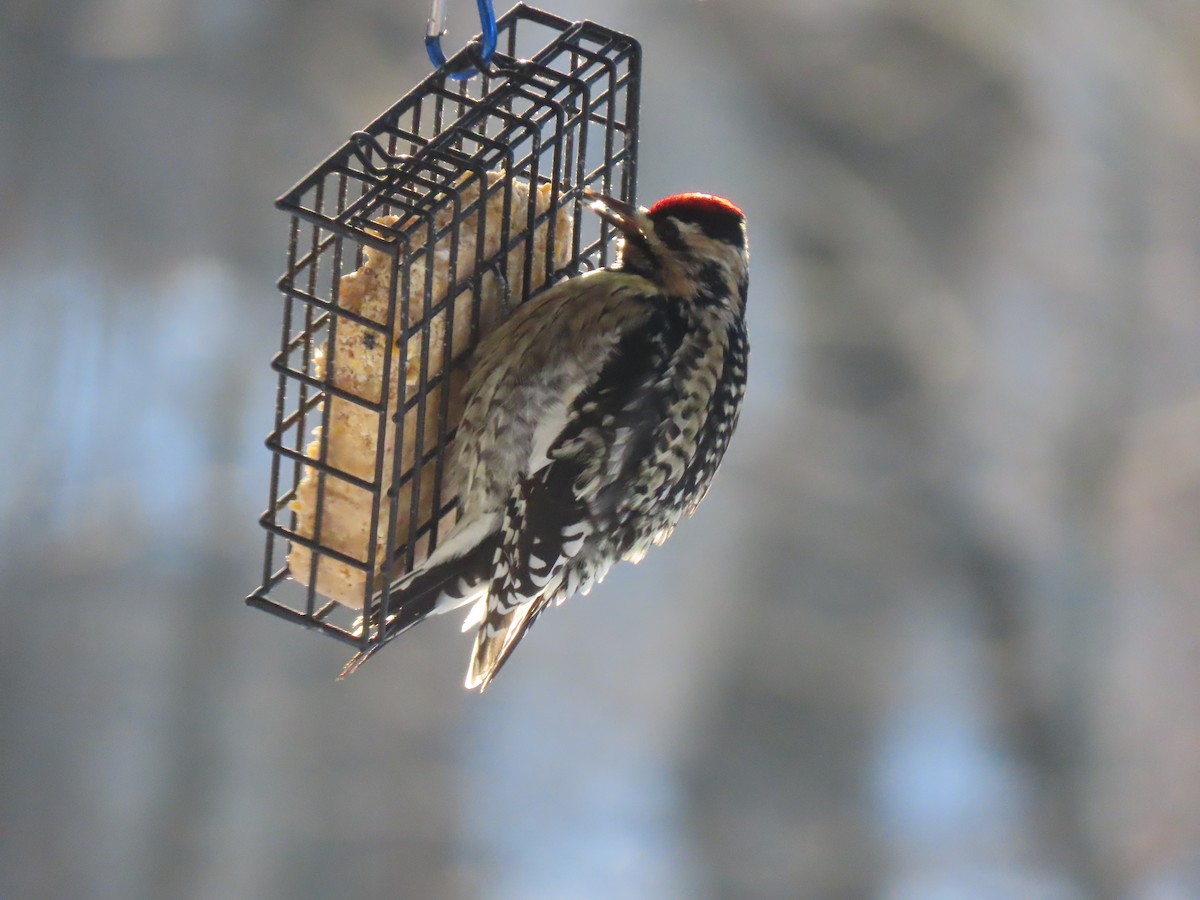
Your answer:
<point x="595" y="418"/>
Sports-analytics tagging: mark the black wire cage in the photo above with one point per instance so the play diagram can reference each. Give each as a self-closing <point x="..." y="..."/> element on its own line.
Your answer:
<point x="405" y="247"/>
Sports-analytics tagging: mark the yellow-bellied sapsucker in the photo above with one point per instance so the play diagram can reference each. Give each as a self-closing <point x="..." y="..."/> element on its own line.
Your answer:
<point x="595" y="418"/>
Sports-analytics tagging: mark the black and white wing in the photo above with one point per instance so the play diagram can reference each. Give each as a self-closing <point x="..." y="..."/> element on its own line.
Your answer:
<point x="563" y="523"/>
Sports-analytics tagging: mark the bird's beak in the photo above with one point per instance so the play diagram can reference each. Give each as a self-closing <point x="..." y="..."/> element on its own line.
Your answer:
<point x="617" y="213"/>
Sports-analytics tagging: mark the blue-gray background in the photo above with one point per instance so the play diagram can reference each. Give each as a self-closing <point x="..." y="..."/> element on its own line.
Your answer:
<point x="935" y="632"/>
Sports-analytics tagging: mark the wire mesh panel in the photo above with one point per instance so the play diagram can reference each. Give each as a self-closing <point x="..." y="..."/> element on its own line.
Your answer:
<point x="406" y="246"/>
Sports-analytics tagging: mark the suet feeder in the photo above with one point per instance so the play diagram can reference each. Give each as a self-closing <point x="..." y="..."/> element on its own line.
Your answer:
<point x="404" y="247"/>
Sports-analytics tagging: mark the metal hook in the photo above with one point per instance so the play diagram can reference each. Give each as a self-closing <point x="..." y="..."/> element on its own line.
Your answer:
<point x="437" y="27"/>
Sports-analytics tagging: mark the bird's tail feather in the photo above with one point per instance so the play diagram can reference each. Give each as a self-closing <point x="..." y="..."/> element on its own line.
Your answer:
<point x="497" y="638"/>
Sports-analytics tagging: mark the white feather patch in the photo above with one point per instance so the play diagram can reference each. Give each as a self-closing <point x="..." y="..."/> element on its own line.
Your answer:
<point x="447" y="604"/>
<point x="477" y="614"/>
<point x="465" y="537"/>
<point x="549" y="427"/>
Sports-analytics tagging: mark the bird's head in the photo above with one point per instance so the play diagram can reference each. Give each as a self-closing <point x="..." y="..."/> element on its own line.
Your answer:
<point x="694" y="245"/>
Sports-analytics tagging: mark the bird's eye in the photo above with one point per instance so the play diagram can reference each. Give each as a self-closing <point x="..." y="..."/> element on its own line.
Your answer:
<point x="668" y="232"/>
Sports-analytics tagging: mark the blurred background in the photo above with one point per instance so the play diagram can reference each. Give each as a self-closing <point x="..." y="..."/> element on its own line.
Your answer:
<point x="934" y="633"/>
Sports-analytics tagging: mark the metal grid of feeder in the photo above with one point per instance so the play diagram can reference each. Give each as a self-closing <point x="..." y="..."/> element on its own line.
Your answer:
<point x="408" y="206"/>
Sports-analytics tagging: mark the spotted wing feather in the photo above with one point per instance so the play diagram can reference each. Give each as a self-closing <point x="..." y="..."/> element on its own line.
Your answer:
<point x="563" y="524"/>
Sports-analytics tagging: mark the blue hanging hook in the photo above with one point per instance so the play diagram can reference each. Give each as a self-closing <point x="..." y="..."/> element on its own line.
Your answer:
<point x="437" y="27"/>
